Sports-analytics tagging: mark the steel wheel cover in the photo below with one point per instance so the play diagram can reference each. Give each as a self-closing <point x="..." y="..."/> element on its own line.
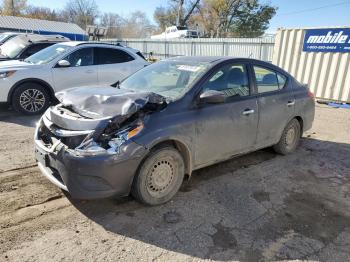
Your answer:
<point x="160" y="178"/>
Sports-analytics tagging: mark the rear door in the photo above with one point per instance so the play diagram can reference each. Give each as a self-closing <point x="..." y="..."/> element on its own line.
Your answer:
<point x="229" y="128"/>
<point x="276" y="103"/>
<point x="82" y="71"/>
<point x="114" y="64"/>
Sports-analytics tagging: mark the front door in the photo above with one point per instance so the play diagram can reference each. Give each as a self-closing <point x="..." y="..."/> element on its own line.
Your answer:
<point x="229" y="128"/>
<point x="82" y="71"/>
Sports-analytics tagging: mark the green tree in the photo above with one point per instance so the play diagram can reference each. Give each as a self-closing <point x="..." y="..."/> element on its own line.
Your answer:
<point x="218" y="18"/>
<point x="252" y="19"/>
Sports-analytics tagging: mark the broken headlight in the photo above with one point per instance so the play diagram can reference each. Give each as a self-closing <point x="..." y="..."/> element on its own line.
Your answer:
<point x="90" y="147"/>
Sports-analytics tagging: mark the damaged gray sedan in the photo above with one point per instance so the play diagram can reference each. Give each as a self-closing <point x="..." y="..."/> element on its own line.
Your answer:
<point x="175" y="116"/>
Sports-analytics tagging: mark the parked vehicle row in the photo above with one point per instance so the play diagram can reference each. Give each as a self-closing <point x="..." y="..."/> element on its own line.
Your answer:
<point x="124" y="126"/>
<point x="29" y="85"/>
<point x="22" y="46"/>
<point x="7" y="36"/>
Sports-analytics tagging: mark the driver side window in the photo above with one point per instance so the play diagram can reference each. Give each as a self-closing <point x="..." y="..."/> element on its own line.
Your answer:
<point x="81" y="57"/>
<point x="230" y="79"/>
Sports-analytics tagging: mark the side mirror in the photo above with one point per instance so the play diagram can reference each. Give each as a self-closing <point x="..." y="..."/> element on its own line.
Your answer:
<point x="63" y="63"/>
<point x="212" y="97"/>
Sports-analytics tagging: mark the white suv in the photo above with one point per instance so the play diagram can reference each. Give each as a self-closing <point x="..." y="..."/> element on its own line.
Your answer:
<point x="29" y="85"/>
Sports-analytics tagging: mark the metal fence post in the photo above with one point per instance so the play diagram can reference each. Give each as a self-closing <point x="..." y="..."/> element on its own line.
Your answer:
<point x="144" y="47"/>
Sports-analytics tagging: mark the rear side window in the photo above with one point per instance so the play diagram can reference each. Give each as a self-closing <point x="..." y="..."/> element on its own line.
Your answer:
<point x="268" y="80"/>
<point x="111" y="56"/>
<point x="141" y="55"/>
<point x="31" y="50"/>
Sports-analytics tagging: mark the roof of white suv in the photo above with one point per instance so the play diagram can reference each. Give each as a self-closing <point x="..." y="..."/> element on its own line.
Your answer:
<point x="77" y="43"/>
<point x="72" y="43"/>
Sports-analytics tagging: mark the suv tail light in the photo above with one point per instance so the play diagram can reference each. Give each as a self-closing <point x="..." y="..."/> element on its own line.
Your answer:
<point x="310" y="94"/>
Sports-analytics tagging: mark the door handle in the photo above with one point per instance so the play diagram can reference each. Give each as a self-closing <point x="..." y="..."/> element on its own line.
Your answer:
<point x="248" y="112"/>
<point x="291" y="103"/>
<point x="89" y="71"/>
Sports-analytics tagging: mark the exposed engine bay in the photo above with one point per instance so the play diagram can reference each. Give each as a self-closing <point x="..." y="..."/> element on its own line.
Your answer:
<point x="91" y="121"/>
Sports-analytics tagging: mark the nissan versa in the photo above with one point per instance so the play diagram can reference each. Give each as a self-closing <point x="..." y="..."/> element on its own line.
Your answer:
<point x="166" y="120"/>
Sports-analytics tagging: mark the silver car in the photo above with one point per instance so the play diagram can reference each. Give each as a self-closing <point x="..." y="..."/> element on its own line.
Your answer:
<point x="29" y="85"/>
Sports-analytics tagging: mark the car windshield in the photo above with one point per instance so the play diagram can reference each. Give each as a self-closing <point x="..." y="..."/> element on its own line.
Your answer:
<point x="4" y="36"/>
<point x="48" y="54"/>
<point x="171" y="79"/>
<point x="14" y="46"/>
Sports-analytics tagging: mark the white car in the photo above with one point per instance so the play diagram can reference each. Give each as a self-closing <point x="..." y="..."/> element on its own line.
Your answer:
<point x="30" y="85"/>
<point x="174" y="32"/>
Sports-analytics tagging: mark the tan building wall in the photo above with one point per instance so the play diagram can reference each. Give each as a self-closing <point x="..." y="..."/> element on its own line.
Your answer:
<point x="327" y="74"/>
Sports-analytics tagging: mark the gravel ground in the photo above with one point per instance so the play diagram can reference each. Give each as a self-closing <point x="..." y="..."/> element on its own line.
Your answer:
<point x="258" y="207"/>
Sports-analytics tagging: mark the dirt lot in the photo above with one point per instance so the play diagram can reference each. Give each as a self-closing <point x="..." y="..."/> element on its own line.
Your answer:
<point x="259" y="207"/>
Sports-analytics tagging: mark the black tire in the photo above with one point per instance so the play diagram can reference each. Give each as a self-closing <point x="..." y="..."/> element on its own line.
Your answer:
<point x="155" y="187"/>
<point x="290" y="138"/>
<point x="30" y="99"/>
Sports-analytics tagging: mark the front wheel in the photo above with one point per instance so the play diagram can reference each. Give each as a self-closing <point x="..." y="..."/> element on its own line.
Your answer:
<point x="30" y="99"/>
<point x="290" y="138"/>
<point x="159" y="177"/>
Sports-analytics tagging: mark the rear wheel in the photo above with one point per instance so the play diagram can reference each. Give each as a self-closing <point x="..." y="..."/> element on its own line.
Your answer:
<point x="159" y="177"/>
<point x="30" y="99"/>
<point x="290" y="138"/>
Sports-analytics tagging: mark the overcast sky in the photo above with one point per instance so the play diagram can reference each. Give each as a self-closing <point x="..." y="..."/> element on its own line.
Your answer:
<point x="291" y="13"/>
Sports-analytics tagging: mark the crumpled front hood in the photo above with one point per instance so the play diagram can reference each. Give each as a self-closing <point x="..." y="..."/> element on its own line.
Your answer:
<point x="104" y="102"/>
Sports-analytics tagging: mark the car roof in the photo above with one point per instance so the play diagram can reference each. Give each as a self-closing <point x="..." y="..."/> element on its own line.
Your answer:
<point x="35" y="38"/>
<point x="78" y="43"/>
<point x="199" y="59"/>
<point x="11" y="33"/>
<point x="214" y="59"/>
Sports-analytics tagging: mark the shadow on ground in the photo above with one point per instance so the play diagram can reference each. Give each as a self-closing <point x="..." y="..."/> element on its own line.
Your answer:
<point x="10" y="116"/>
<point x="257" y="207"/>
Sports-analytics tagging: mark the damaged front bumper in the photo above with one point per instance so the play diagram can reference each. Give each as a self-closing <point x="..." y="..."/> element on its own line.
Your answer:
<point x="91" y="176"/>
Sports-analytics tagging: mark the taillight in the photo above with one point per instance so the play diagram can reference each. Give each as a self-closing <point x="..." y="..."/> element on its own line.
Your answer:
<point x="310" y="94"/>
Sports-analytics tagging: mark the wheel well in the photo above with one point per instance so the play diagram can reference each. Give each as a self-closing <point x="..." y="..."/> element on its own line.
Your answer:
<point x="36" y="81"/>
<point x="183" y="150"/>
<point x="300" y="120"/>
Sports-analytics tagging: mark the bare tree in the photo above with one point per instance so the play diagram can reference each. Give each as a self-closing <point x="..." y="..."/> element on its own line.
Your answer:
<point x="81" y="12"/>
<point x="134" y="25"/>
<point x="114" y="24"/>
<point x="13" y="7"/>
<point x="190" y="8"/>
<point x="177" y="12"/>
<point x="41" y="13"/>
